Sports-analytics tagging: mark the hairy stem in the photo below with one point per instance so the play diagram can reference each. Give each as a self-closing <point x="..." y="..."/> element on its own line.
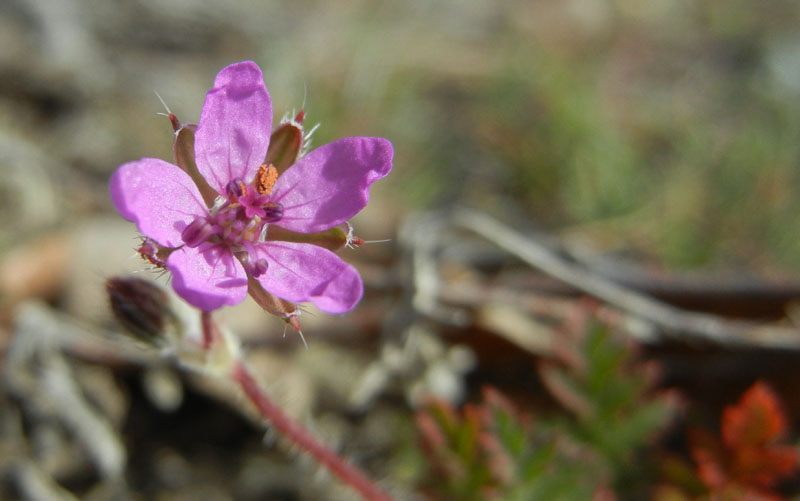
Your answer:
<point x="298" y="434"/>
<point x="210" y="330"/>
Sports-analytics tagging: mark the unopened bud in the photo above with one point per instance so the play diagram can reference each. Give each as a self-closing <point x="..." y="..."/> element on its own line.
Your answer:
<point x="142" y="308"/>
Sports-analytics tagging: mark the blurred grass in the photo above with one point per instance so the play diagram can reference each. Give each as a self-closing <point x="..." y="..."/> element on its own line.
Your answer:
<point x="670" y="128"/>
<point x="680" y="131"/>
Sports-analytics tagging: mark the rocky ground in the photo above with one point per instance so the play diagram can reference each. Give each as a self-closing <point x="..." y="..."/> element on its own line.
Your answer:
<point x="606" y="132"/>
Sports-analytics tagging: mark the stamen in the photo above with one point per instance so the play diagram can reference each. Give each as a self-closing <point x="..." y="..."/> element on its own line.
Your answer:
<point x="236" y="188"/>
<point x="262" y="236"/>
<point x="257" y="268"/>
<point x="249" y="231"/>
<point x="197" y="232"/>
<point x="273" y="212"/>
<point x="219" y="203"/>
<point x="266" y="178"/>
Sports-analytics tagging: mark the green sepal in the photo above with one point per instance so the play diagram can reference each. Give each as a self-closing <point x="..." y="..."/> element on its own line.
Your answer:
<point x="285" y="144"/>
<point x="282" y="309"/>
<point x="334" y="239"/>
<point x="184" y="158"/>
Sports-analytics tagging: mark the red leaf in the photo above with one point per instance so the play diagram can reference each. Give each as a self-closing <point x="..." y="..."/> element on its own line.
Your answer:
<point x="709" y="455"/>
<point x="755" y="421"/>
<point x="750" y="431"/>
<point x="762" y="466"/>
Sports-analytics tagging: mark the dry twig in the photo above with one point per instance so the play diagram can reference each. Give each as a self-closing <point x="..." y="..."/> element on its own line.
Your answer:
<point x="671" y="321"/>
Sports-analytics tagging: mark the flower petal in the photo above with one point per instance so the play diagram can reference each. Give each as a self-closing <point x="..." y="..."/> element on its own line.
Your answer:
<point x="306" y="273"/>
<point x="331" y="184"/>
<point x="208" y="276"/>
<point x="233" y="133"/>
<point x="159" y="197"/>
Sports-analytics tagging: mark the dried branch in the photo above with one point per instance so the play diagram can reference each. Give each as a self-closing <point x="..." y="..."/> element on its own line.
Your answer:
<point x="671" y="321"/>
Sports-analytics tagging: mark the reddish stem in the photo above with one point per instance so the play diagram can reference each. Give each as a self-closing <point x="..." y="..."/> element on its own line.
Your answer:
<point x="210" y="330"/>
<point x="298" y="434"/>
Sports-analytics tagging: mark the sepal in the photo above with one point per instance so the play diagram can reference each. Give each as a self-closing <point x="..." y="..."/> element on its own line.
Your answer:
<point x="183" y="148"/>
<point x="285" y="144"/>
<point x="286" y="311"/>
<point x="333" y="239"/>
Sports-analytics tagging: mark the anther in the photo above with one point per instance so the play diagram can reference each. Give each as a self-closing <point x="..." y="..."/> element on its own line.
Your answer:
<point x="236" y="188"/>
<point x="197" y="232"/>
<point x="257" y="268"/>
<point x="273" y="211"/>
<point x="266" y="178"/>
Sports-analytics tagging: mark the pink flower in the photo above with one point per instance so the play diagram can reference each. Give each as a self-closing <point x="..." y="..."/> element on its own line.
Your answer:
<point x="215" y="250"/>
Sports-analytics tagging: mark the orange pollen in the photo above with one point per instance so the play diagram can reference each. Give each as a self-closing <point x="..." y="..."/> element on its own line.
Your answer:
<point x="266" y="178"/>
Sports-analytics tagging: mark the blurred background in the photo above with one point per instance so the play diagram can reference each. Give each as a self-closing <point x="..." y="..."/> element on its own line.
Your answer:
<point x="660" y="136"/>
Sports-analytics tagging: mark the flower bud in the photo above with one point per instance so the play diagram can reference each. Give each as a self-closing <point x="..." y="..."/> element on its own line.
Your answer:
<point x="142" y="308"/>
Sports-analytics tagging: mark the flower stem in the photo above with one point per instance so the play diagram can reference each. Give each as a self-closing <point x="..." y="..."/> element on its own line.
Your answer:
<point x="210" y="330"/>
<point x="298" y="434"/>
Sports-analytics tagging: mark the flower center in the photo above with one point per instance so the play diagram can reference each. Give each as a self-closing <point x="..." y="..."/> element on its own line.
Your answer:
<point x="240" y="218"/>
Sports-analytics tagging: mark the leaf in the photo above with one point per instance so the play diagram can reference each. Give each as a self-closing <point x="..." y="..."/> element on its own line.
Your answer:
<point x="709" y="455"/>
<point x="755" y="421"/>
<point x="748" y="459"/>
<point x="763" y="466"/>
<point x="565" y="389"/>
<point x="751" y="429"/>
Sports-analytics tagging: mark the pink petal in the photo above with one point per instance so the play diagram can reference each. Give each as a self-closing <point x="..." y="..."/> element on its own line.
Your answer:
<point x="306" y="273"/>
<point x="159" y="197"/>
<point x="208" y="276"/>
<point x="233" y="134"/>
<point x="331" y="184"/>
